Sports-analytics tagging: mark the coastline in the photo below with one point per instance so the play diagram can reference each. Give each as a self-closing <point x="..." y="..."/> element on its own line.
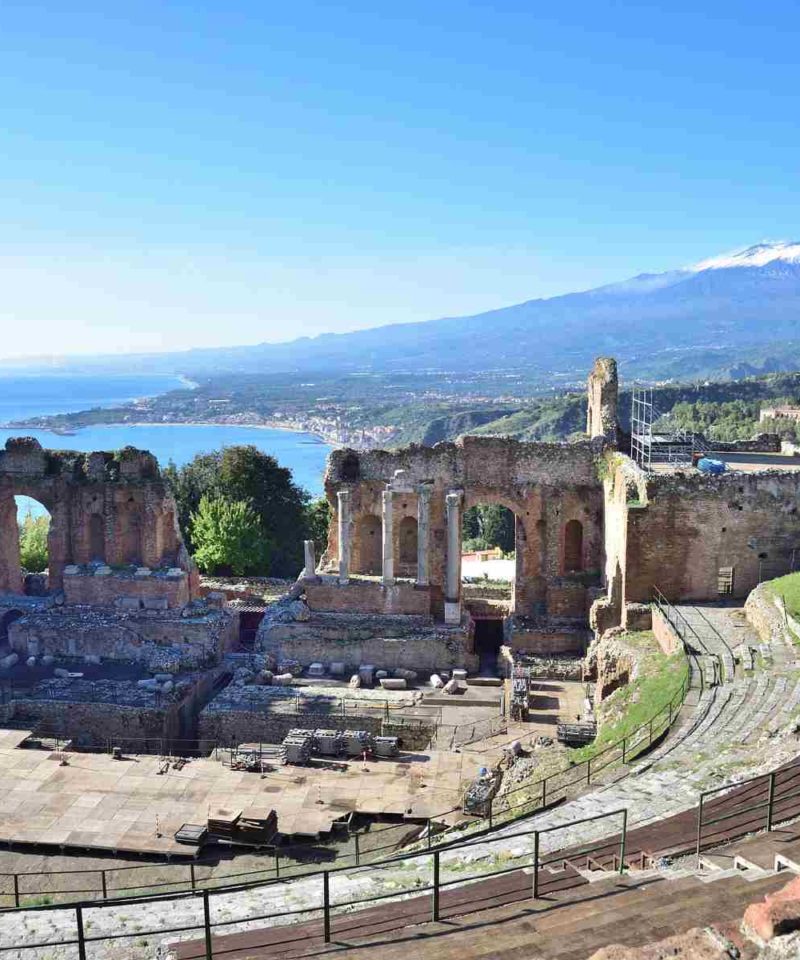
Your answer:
<point x="318" y="437"/>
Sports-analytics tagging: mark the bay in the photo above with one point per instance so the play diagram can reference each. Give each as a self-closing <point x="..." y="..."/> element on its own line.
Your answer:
<point x="23" y="397"/>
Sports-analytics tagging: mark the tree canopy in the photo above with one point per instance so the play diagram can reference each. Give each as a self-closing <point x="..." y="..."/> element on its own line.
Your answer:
<point x="245" y="473"/>
<point x="488" y="525"/>
<point x="229" y="538"/>
<point x="33" y="551"/>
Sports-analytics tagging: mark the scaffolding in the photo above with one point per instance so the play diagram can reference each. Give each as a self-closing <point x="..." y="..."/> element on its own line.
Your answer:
<point x="648" y="448"/>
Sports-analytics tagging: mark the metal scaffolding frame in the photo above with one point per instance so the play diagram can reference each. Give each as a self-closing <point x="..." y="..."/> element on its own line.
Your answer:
<point x="648" y="448"/>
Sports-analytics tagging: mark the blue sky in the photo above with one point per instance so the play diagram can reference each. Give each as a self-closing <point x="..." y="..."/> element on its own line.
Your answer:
<point x="178" y="175"/>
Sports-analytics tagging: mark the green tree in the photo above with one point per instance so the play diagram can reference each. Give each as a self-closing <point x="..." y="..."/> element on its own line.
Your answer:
<point x="228" y="537"/>
<point x="245" y="473"/>
<point x="33" y="542"/>
<point x="488" y="525"/>
<point x="318" y="519"/>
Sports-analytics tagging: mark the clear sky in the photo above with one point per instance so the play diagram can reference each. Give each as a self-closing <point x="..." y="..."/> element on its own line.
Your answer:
<point x="186" y="174"/>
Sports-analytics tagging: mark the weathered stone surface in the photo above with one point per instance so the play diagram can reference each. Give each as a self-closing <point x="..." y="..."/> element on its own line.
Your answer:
<point x="777" y="914"/>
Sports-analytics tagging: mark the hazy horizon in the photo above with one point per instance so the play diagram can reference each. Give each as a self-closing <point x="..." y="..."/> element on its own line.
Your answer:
<point x="188" y="177"/>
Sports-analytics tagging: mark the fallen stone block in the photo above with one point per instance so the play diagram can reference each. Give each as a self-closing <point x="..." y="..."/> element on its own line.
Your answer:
<point x="436" y="681"/>
<point x="61" y="672"/>
<point x="367" y="674"/>
<point x="103" y="571"/>
<point x="142" y="573"/>
<point x="72" y="570"/>
<point x="31" y="662"/>
<point x="283" y="680"/>
<point x="459" y="674"/>
<point x="316" y="670"/>
<point x="338" y="668"/>
<point x="393" y="683"/>
<point x="156" y="603"/>
<point x="408" y="675"/>
<point x="452" y="686"/>
<point x="355" y="682"/>
<point x="381" y="675"/>
<point x="92" y="658"/>
<point x="128" y="603"/>
<point x="48" y="660"/>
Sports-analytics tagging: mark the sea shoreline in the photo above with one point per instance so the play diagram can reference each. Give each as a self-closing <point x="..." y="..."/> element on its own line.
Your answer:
<point x="319" y="437"/>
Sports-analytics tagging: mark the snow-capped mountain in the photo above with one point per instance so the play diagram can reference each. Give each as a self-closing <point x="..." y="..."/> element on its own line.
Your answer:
<point x="758" y="256"/>
<point x="721" y="311"/>
<point x="737" y="313"/>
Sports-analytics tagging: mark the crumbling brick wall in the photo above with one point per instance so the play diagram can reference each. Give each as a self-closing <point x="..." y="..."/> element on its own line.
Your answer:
<point x="112" y="508"/>
<point x="546" y="485"/>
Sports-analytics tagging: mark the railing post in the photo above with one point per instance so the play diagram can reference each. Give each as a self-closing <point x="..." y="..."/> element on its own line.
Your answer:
<point x="544" y="792"/>
<point x="650" y="739"/>
<point x="491" y="807"/>
<point x="326" y="907"/>
<point x="623" y="749"/>
<point x="622" y="841"/>
<point x="358" y="850"/>
<point x="103" y="883"/>
<point x="699" y="828"/>
<point x="430" y="840"/>
<point x="192" y="876"/>
<point x="277" y="863"/>
<point x="81" y="939"/>
<point x="16" y="890"/>
<point x="536" y="865"/>
<point x="435" y="909"/>
<point x="207" y="925"/>
<point x="589" y="770"/>
<point x="770" y="799"/>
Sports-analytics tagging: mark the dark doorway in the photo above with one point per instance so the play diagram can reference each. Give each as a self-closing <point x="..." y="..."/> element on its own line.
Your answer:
<point x="488" y="640"/>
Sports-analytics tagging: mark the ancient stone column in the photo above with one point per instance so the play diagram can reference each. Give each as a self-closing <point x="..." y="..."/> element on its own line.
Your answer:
<point x="388" y="536"/>
<point x="423" y="527"/>
<point x="310" y="569"/>
<point x="452" y="606"/>
<point x="345" y="523"/>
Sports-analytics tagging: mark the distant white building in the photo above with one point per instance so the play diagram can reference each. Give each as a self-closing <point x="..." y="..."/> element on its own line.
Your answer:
<point x="784" y="412"/>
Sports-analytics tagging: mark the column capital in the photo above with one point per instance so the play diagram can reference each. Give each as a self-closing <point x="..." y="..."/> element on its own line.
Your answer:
<point x="454" y="497"/>
<point x="345" y="494"/>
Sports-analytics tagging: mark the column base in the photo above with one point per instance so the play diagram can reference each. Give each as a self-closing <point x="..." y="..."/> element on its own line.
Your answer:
<point x="388" y="581"/>
<point x="452" y="612"/>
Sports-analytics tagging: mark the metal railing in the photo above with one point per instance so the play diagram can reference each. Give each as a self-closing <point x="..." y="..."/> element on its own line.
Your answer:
<point x="748" y="806"/>
<point x="686" y="633"/>
<point x="556" y="786"/>
<point x="328" y="908"/>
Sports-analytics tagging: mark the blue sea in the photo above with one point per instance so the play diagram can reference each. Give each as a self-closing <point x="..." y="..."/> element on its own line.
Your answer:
<point x="28" y="396"/>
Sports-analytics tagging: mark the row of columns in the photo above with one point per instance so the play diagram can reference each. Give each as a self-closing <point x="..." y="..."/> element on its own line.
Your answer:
<point x="423" y="491"/>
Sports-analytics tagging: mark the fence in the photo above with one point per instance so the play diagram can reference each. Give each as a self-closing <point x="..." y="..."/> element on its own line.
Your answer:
<point x="530" y="797"/>
<point x="752" y="805"/>
<point x="689" y="637"/>
<point x="537" y="880"/>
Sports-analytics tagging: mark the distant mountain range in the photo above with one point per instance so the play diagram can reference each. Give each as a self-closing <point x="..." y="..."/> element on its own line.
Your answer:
<point x="729" y="316"/>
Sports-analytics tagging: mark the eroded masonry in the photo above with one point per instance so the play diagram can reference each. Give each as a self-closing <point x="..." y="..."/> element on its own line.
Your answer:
<point x="594" y="535"/>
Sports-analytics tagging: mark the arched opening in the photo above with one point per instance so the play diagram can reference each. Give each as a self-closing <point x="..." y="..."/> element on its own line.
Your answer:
<point x="368" y="552"/>
<point x="130" y="533"/>
<point x="33" y="526"/>
<point x="407" y="547"/>
<point x="97" y="538"/>
<point x="488" y="543"/>
<point x="573" y="547"/>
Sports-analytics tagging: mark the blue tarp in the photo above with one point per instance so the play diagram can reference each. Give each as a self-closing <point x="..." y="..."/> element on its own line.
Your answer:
<point x="707" y="465"/>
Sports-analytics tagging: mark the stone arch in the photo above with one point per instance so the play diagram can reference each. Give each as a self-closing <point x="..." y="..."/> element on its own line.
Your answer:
<point x="130" y="526"/>
<point x="368" y="552"/>
<point x="97" y="537"/>
<point x="407" y="552"/>
<point x="573" y="547"/>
